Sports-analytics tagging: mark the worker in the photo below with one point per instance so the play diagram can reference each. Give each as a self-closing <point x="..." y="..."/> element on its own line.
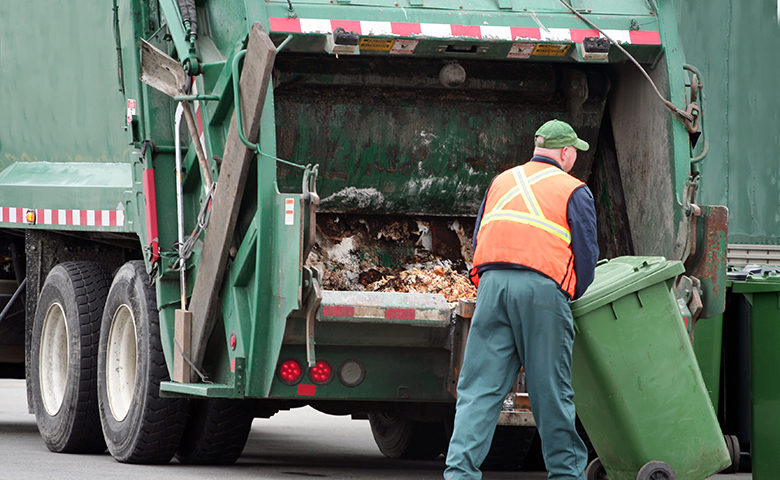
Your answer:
<point x="535" y="249"/>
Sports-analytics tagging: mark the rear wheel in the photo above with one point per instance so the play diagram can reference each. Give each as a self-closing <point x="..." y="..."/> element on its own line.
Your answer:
<point x="139" y="426"/>
<point x="509" y="448"/>
<point x="596" y="471"/>
<point x="63" y="357"/>
<point x="656" y="471"/>
<point x="732" y="443"/>
<point x="400" y="437"/>
<point x="216" y="432"/>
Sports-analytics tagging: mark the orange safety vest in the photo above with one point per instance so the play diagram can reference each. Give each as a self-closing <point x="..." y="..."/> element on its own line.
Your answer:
<point x="524" y="223"/>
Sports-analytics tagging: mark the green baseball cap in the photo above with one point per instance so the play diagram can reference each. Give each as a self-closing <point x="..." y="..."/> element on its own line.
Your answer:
<point x="558" y="134"/>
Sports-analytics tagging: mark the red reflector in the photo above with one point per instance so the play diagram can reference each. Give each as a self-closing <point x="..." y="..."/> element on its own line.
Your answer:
<point x="233" y="341"/>
<point x="320" y="372"/>
<point x="685" y="319"/>
<point x="290" y="371"/>
<point x="307" y="390"/>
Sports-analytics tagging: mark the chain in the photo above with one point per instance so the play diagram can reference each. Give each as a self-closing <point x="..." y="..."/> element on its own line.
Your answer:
<point x="185" y="250"/>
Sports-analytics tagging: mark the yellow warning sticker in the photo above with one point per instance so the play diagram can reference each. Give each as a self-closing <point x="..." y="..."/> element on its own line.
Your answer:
<point x="551" y="50"/>
<point x="378" y="44"/>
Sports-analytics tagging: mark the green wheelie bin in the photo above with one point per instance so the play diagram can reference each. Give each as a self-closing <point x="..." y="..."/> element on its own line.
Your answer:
<point x="637" y="387"/>
<point x="761" y="288"/>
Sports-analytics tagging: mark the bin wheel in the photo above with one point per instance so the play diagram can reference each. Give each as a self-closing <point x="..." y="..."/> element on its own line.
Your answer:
<point x="595" y="470"/>
<point x="732" y="444"/>
<point x="656" y="471"/>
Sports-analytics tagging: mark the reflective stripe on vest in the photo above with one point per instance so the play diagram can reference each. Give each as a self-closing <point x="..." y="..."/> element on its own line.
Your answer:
<point x="535" y="217"/>
<point x="525" y="223"/>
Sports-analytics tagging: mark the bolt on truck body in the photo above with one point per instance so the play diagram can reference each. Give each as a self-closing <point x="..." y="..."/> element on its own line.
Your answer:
<point x="169" y="179"/>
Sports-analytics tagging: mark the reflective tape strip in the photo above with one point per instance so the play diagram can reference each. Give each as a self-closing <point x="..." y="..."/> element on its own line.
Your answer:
<point x="497" y="33"/>
<point x="578" y="34"/>
<point x="363" y="311"/>
<point x="527" y="194"/>
<point x="556" y="34"/>
<point x="519" y="217"/>
<point x="620" y="36"/>
<point x="513" y="192"/>
<point x="444" y="30"/>
<point x="337" y="311"/>
<point x="400" y="314"/>
<point x="436" y="30"/>
<point x="376" y="29"/>
<point x="546" y="173"/>
<point x="50" y="216"/>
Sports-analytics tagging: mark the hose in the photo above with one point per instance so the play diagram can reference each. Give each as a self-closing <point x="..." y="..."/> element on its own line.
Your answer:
<point x="189" y="14"/>
<point x="671" y="106"/>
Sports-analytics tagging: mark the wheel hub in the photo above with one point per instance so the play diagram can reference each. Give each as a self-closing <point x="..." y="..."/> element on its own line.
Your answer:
<point x="53" y="361"/>
<point x="121" y="362"/>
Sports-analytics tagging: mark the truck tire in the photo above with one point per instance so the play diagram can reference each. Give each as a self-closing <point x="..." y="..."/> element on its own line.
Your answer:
<point x="139" y="426"/>
<point x="509" y="448"/>
<point x="63" y="356"/>
<point x="216" y="431"/>
<point x="399" y="437"/>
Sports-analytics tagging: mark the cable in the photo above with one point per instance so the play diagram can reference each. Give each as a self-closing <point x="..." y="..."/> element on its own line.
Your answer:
<point x="685" y="115"/>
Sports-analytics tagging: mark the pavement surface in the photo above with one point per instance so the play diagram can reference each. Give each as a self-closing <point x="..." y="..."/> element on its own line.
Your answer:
<point x="298" y="444"/>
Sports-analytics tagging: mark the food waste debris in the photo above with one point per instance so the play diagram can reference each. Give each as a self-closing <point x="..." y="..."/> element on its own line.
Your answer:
<point x="391" y="255"/>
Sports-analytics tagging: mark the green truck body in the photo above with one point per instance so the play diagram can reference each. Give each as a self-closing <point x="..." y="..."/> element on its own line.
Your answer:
<point x="374" y="94"/>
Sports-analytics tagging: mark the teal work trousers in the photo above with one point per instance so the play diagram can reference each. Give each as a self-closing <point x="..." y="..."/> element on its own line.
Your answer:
<point x="521" y="318"/>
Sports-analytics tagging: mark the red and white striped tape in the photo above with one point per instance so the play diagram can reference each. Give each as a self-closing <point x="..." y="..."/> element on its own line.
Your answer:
<point x="443" y="30"/>
<point x="50" y="216"/>
<point x="341" y="311"/>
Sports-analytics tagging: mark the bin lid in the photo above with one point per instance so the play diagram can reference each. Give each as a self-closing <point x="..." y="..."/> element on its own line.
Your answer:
<point x="623" y="275"/>
<point x="755" y="279"/>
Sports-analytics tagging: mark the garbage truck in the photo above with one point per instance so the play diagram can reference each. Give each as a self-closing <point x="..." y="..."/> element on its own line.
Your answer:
<point x="200" y="200"/>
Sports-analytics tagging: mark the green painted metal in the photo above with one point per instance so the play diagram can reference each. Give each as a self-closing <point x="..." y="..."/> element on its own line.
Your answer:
<point x="638" y="390"/>
<point x="416" y="374"/>
<point x="707" y="345"/>
<point x="68" y="186"/>
<point x="763" y="293"/>
<point x="388" y="137"/>
<point x="54" y="110"/>
<point x="737" y="58"/>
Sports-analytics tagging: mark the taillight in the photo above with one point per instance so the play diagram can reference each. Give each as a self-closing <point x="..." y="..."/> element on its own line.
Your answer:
<point x="320" y="372"/>
<point x="290" y="372"/>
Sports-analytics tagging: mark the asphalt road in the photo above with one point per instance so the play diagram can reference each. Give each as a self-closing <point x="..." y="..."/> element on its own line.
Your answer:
<point x="299" y="444"/>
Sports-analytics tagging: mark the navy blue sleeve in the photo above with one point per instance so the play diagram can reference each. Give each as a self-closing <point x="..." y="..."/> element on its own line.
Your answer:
<point x="479" y="219"/>
<point x="581" y="214"/>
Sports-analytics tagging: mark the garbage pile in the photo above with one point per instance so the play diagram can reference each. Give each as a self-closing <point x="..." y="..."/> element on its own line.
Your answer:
<point x="380" y="254"/>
